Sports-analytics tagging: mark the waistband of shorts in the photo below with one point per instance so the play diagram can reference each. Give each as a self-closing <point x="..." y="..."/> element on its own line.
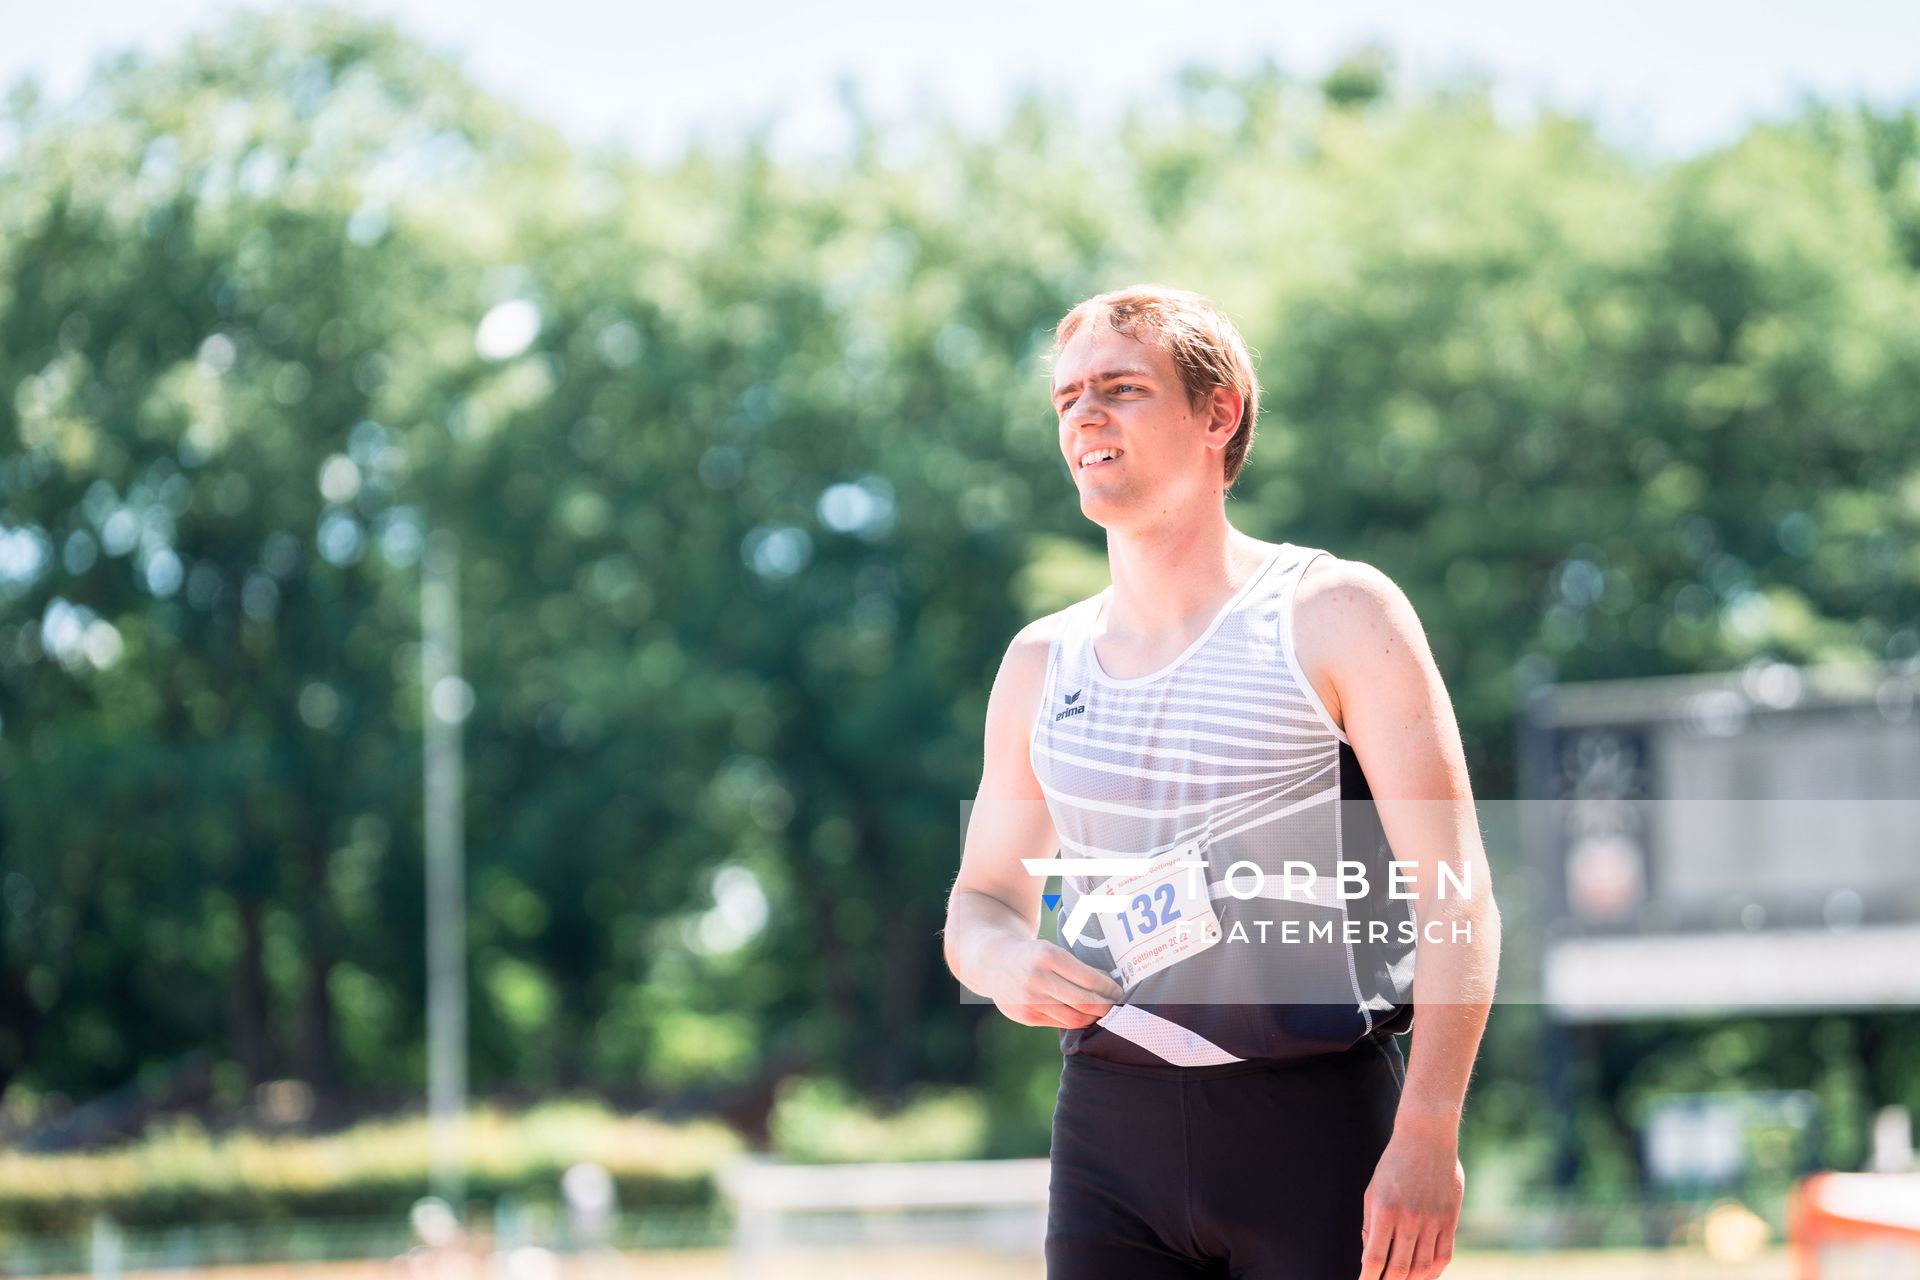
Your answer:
<point x="1367" y="1048"/>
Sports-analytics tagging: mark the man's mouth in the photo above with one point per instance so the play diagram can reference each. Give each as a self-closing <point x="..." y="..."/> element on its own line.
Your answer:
<point x="1095" y="457"/>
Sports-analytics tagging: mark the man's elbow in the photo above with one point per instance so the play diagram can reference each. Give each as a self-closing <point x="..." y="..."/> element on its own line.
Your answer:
<point x="948" y="948"/>
<point x="953" y="934"/>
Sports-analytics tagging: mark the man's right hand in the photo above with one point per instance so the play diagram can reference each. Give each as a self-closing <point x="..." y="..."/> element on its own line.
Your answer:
<point x="1039" y="983"/>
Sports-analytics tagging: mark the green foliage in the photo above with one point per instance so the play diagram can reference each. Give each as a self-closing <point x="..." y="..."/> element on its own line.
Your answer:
<point x="182" y="1174"/>
<point x="821" y="1121"/>
<point x="1360" y="78"/>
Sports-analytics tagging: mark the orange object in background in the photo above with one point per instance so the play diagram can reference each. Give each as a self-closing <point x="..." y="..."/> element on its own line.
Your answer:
<point x="1855" y="1226"/>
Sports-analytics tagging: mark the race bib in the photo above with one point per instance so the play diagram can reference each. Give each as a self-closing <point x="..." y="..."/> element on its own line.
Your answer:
<point x="1169" y="915"/>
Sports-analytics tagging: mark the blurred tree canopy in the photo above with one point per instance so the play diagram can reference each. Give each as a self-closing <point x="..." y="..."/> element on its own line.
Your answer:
<point x="753" y="474"/>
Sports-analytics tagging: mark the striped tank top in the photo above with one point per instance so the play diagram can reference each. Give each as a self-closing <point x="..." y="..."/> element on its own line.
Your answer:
<point x="1227" y="751"/>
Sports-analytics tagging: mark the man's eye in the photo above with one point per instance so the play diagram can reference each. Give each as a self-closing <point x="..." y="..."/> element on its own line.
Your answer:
<point x="1065" y="405"/>
<point x="1129" y="387"/>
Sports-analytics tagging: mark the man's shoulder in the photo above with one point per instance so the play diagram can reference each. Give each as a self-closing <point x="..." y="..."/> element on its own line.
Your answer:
<point x="1023" y="671"/>
<point x="1338" y="591"/>
<point x="1352" y="625"/>
<point x="1025" y="666"/>
<point x="1032" y="644"/>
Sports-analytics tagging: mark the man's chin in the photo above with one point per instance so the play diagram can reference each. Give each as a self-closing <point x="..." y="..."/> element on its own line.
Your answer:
<point x="1105" y="508"/>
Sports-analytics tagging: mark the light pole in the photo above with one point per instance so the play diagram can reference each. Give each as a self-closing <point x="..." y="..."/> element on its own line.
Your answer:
<point x="445" y="701"/>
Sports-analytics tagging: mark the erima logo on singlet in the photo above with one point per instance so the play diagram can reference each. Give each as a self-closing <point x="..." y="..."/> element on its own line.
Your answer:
<point x="1072" y="709"/>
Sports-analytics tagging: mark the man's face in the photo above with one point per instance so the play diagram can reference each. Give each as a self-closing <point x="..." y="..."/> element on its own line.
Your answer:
<point x="1136" y="448"/>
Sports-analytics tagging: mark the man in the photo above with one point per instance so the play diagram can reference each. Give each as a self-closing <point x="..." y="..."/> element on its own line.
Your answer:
<point x="1232" y="717"/>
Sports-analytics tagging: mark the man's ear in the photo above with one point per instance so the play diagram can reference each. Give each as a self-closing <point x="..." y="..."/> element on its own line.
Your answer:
<point x="1223" y="407"/>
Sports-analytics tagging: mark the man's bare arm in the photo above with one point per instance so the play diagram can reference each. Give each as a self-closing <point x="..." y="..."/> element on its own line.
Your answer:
<point x="1360" y="632"/>
<point x="993" y="913"/>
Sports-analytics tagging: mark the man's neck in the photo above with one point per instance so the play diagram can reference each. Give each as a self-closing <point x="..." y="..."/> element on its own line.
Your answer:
<point x="1166" y="581"/>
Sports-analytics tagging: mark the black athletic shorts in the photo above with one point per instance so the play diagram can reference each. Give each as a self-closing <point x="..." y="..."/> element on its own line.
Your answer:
<point x="1253" y="1170"/>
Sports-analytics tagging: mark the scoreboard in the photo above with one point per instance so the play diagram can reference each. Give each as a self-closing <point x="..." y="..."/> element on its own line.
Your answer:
<point x="1738" y="841"/>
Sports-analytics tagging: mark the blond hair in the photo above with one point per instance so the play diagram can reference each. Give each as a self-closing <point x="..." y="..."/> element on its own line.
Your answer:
<point x="1195" y="333"/>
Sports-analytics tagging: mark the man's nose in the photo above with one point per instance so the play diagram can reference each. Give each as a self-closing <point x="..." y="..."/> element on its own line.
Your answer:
<point x="1085" y="409"/>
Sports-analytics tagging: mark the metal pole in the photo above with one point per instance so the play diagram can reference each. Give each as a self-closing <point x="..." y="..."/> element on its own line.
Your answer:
<point x="1543" y="848"/>
<point x="105" y="1252"/>
<point x="444" y="703"/>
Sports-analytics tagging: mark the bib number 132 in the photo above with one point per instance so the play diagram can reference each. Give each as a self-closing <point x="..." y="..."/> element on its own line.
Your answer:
<point x="1169" y="915"/>
<point x="1154" y="909"/>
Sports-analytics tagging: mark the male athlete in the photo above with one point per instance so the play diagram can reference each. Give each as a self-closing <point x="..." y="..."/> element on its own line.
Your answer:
<point x="1245" y="721"/>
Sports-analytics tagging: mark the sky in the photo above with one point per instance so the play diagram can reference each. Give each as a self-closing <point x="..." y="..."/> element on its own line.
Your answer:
<point x="1663" y="79"/>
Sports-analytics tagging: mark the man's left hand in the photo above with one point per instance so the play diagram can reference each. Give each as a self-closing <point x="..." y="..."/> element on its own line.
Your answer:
<point x="1413" y="1203"/>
